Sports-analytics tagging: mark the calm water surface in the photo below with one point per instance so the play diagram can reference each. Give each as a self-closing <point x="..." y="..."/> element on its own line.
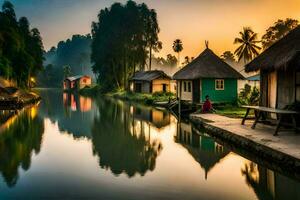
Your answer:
<point x="77" y="147"/>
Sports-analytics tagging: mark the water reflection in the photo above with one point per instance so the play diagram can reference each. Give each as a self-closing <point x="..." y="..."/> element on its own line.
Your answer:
<point x="77" y="102"/>
<point x="268" y="184"/>
<point x="126" y="148"/>
<point x="116" y="130"/>
<point x="201" y="146"/>
<point x="73" y="113"/>
<point x="157" y="118"/>
<point x="106" y="148"/>
<point x="22" y="136"/>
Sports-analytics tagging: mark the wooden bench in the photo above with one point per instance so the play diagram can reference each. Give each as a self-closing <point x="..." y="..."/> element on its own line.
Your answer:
<point x="260" y="110"/>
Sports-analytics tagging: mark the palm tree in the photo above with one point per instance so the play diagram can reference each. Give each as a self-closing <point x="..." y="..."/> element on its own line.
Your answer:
<point x="248" y="48"/>
<point x="177" y="47"/>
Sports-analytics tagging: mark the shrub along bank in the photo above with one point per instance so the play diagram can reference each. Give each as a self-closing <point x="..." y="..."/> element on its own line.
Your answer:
<point x="148" y="99"/>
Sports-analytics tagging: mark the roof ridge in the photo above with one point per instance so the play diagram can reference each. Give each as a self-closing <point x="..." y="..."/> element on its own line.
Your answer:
<point x="207" y="64"/>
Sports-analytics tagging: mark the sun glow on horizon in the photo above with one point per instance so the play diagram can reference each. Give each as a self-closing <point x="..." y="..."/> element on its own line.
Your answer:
<point x="190" y="20"/>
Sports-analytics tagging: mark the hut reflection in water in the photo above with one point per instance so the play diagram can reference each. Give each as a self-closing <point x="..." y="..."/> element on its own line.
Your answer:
<point x="201" y="146"/>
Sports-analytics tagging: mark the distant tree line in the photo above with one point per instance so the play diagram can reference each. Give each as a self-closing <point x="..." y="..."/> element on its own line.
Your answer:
<point x="124" y="37"/>
<point x="21" y="48"/>
<point x="170" y="60"/>
<point x="69" y="58"/>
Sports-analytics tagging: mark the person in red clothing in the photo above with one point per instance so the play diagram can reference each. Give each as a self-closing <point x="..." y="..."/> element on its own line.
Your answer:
<point x="207" y="106"/>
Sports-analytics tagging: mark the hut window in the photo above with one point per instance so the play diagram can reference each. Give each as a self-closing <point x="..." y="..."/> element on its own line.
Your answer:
<point x="187" y="86"/>
<point x="219" y="84"/>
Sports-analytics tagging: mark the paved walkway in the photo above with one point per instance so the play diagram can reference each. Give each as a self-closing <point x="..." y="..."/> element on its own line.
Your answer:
<point x="287" y="142"/>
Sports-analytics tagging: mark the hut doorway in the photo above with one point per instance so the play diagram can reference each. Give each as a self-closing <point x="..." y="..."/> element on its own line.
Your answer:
<point x="138" y="87"/>
<point x="272" y="91"/>
<point x="164" y="87"/>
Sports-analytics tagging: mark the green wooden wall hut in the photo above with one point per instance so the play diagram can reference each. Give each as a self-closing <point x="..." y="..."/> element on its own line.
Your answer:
<point x="207" y="75"/>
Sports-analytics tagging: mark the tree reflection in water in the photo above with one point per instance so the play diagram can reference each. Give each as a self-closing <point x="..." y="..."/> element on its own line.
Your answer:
<point x="268" y="184"/>
<point x="123" y="148"/>
<point x="17" y="142"/>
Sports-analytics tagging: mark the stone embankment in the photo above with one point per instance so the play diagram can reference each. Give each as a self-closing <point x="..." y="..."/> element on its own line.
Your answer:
<point x="277" y="152"/>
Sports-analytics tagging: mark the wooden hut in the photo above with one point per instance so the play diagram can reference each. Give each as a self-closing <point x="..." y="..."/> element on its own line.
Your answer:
<point x="207" y="75"/>
<point x="150" y="82"/>
<point x="77" y="82"/>
<point x="279" y="67"/>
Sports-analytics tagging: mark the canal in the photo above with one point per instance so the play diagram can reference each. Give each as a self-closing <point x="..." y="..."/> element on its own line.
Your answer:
<point x="76" y="147"/>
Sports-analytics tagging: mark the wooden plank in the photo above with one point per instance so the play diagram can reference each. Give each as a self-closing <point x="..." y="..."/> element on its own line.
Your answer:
<point x="271" y="110"/>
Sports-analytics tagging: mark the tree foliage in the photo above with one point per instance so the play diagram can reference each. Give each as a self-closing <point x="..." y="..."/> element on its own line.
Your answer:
<point x="122" y="37"/>
<point x="21" y="48"/>
<point x="177" y="47"/>
<point x="74" y="52"/>
<point x="248" y="48"/>
<point x="278" y="31"/>
<point x="228" y="56"/>
<point x="249" y="96"/>
<point x="187" y="60"/>
<point x="170" y="60"/>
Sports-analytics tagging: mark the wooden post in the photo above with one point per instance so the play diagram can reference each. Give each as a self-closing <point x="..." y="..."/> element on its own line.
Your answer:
<point x="179" y="102"/>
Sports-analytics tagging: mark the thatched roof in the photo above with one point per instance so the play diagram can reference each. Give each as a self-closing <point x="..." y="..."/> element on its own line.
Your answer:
<point x="281" y="55"/>
<point x="207" y="65"/>
<point x="149" y="75"/>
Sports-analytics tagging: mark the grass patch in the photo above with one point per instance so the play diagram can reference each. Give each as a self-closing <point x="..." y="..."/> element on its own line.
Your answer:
<point x="232" y="111"/>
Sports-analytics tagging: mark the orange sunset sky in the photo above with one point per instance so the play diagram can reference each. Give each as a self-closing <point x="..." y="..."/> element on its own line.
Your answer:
<point x="193" y="21"/>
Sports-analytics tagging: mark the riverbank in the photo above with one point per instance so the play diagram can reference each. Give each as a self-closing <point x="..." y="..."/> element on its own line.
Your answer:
<point x="148" y="99"/>
<point x="12" y="98"/>
<point x="283" y="151"/>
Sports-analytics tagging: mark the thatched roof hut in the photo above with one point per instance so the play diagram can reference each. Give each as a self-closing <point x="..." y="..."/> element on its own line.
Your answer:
<point x="279" y="67"/>
<point x="207" y="65"/>
<point x="283" y="54"/>
<point x="209" y="75"/>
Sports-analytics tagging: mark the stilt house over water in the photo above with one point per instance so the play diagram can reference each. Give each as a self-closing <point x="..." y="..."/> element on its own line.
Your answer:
<point x="279" y="67"/>
<point x="209" y="75"/>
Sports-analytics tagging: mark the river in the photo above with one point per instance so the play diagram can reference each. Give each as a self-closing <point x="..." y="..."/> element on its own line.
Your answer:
<point x="70" y="146"/>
